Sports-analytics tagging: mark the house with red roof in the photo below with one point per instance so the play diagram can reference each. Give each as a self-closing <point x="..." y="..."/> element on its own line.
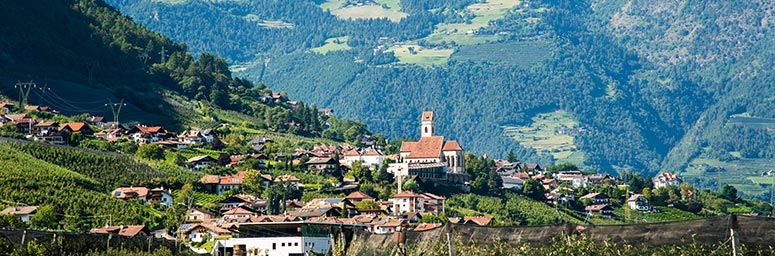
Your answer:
<point x="159" y="195"/>
<point x="147" y="134"/>
<point x="666" y="179"/>
<point x="218" y="184"/>
<point x="128" y="231"/>
<point x="78" y="127"/>
<point x="358" y="196"/>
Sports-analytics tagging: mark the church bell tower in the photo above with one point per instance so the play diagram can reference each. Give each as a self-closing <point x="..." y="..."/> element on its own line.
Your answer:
<point x="426" y="128"/>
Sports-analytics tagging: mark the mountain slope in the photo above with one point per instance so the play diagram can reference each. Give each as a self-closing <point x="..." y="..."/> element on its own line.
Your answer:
<point x="653" y="86"/>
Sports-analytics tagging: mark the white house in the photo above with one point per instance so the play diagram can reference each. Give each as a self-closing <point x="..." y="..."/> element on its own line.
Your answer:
<point x="510" y="182"/>
<point x="199" y="163"/>
<point x="639" y="202"/>
<point x="283" y="238"/>
<point x="666" y="179"/>
<point x="198" y="232"/>
<point x="23" y="212"/>
<point x="576" y="179"/>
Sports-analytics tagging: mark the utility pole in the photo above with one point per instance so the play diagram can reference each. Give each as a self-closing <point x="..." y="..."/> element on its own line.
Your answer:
<point x="116" y="108"/>
<point x="24" y="92"/>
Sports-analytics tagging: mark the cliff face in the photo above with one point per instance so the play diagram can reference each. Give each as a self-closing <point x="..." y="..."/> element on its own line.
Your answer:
<point x="751" y="231"/>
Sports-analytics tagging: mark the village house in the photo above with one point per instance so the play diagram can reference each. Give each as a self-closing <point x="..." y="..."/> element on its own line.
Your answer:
<point x="196" y="215"/>
<point x="25" y="213"/>
<point x="426" y="227"/>
<point x="245" y="201"/>
<point x="357" y="196"/>
<point x="639" y="202"/>
<point x="408" y="201"/>
<point x="600" y="210"/>
<point x="156" y="195"/>
<point x="479" y="221"/>
<point x="326" y="111"/>
<point x="128" y="231"/>
<point x="171" y="144"/>
<point x="370" y="158"/>
<point x="6" y="107"/>
<point x="575" y="179"/>
<point x="666" y="179"/>
<point x="324" y="163"/>
<point x="147" y="134"/>
<point x="98" y="121"/>
<point x="596" y="198"/>
<point x="511" y="182"/>
<point x="598" y="179"/>
<point x="532" y="169"/>
<point x="236" y="215"/>
<point x="387" y="226"/>
<point x="198" y="136"/>
<point x="290" y="179"/>
<point x="199" y="163"/>
<point x="111" y="134"/>
<point x="78" y="127"/>
<point x="43" y="129"/>
<point x="23" y="123"/>
<point x="199" y="232"/>
<point x="38" y="108"/>
<point x="218" y="184"/>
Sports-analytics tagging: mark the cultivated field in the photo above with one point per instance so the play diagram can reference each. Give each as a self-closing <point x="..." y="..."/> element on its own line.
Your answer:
<point x="524" y="54"/>
<point x="550" y="133"/>
<point x="415" y="54"/>
<point x="392" y="13"/>
<point x="462" y="33"/>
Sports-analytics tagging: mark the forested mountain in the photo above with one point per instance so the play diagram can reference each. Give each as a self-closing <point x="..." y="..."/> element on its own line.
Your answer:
<point x="655" y="86"/>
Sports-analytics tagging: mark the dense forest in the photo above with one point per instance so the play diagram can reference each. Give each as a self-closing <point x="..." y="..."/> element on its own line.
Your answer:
<point x="653" y="84"/>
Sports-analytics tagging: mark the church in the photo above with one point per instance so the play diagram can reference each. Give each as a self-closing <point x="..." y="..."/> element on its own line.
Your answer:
<point x="432" y="157"/>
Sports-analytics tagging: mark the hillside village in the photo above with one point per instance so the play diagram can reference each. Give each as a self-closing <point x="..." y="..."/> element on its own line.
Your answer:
<point x="357" y="186"/>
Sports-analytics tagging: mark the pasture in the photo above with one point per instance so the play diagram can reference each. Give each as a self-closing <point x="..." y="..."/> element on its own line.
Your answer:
<point x="415" y="54"/>
<point x="340" y="9"/>
<point x="550" y="133"/>
<point x="333" y="44"/>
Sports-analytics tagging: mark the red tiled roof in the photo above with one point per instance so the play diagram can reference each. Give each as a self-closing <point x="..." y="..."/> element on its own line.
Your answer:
<point x="230" y="180"/>
<point x="287" y="177"/>
<point x="76" y="127"/>
<point x="427" y="147"/>
<point x="358" y="195"/>
<point x="426" y="226"/>
<point x="406" y="194"/>
<point x="141" y="192"/>
<point x="237" y="211"/>
<point x="373" y="152"/>
<point x="595" y="207"/>
<point x="352" y="152"/>
<point x="407" y="146"/>
<point x="481" y="221"/>
<point x="95" y="119"/>
<point x="131" y="230"/>
<point x="451" y="145"/>
<point x="433" y="196"/>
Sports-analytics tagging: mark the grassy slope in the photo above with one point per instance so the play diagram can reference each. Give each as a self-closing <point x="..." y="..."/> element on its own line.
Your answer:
<point x="542" y="135"/>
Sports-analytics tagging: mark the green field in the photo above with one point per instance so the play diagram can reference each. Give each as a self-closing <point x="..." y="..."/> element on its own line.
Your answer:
<point x="752" y="121"/>
<point x="333" y="44"/>
<point x="744" y="173"/>
<point x="421" y="56"/>
<point x="523" y="53"/>
<point x="550" y="133"/>
<point x="462" y="33"/>
<point x="392" y="13"/>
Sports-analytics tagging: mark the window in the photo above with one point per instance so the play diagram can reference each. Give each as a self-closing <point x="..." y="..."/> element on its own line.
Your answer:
<point x="283" y="244"/>
<point x="295" y="244"/>
<point x="118" y="193"/>
<point x="274" y="246"/>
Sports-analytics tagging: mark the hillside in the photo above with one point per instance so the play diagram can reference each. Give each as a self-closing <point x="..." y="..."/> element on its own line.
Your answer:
<point x="652" y="85"/>
<point x="79" y="199"/>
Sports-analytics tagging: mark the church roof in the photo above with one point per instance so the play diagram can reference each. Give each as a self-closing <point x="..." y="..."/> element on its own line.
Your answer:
<point x="427" y="147"/>
<point x="451" y="145"/>
<point x="407" y="146"/>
